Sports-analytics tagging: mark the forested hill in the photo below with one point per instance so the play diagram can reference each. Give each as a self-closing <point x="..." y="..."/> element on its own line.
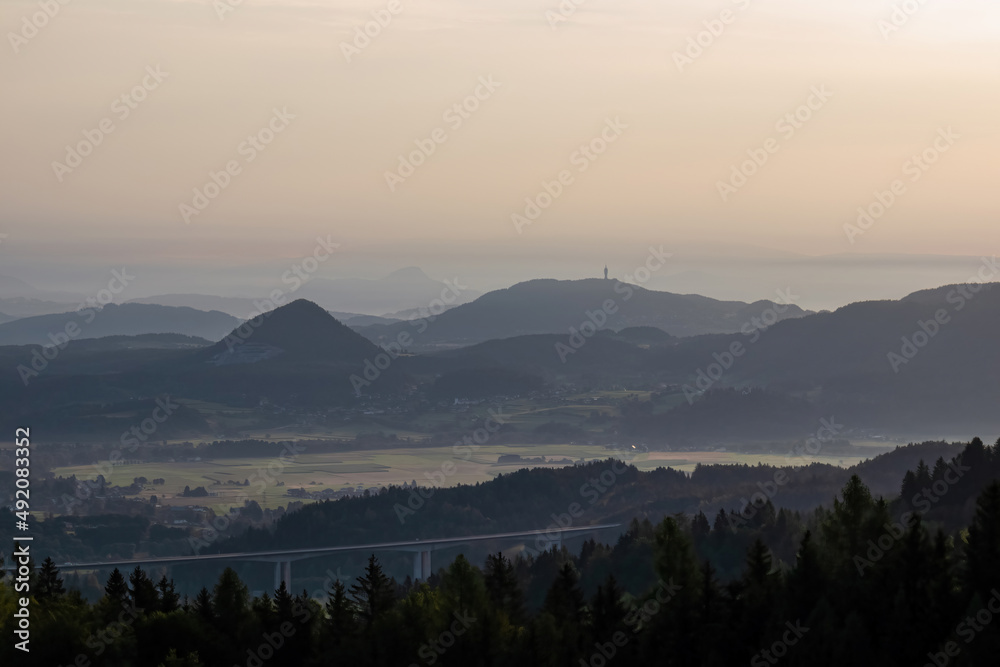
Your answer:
<point x="862" y="582"/>
<point x="553" y="306"/>
<point x="607" y="491"/>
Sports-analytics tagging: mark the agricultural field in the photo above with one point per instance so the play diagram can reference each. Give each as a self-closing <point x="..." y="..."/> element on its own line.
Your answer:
<point x="271" y="478"/>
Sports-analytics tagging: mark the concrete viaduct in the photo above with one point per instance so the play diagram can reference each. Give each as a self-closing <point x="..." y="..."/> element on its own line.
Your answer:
<point x="421" y="549"/>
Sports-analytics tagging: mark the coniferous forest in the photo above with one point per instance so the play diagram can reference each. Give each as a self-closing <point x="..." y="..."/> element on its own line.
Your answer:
<point x="873" y="581"/>
<point x="499" y="334"/>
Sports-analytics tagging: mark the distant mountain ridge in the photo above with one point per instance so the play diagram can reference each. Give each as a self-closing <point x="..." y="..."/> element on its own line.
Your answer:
<point x="553" y="306"/>
<point x="238" y="307"/>
<point x="20" y="306"/>
<point x="922" y="364"/>
<point x="882" y="364"/>
<point x="131" y="319"/>
<point x="244" y="307"/>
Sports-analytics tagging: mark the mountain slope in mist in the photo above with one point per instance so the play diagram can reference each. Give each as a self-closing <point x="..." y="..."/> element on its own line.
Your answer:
<point x="113" y="320"/>
<point x="554" y="306"/>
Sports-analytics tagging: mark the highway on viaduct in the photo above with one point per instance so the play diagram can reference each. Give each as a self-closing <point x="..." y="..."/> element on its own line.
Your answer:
<point x="546" y="538"/>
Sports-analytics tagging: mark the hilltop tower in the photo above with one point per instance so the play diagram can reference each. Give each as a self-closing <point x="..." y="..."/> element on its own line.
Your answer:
<point x="605" y="271"/>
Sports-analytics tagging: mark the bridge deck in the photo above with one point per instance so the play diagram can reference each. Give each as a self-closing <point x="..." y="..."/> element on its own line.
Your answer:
<point x="284" y="555"/>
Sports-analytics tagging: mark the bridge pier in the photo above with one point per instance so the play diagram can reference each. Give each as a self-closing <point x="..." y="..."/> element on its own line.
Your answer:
<point x="421" y="565"/>
<point x="283" y="572"/>
<point x="282" y="559"/>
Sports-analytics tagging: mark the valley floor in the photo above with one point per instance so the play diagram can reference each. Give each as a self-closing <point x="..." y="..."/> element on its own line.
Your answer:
<point x="312" y="476"/>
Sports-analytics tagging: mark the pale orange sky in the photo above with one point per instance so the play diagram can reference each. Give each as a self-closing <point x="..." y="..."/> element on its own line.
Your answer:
<point x="325" y="172"/>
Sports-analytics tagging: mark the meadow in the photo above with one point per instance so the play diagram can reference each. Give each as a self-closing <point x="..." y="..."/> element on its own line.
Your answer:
<point x="414" y="460"/>
<point x="376" y="468"/>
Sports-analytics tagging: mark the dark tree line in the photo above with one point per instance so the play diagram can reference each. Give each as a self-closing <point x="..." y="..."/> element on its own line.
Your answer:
<point x="866" y="582"/>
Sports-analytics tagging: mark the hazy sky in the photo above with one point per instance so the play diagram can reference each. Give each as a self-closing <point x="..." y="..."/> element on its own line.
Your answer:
<point x="681" y="129"/>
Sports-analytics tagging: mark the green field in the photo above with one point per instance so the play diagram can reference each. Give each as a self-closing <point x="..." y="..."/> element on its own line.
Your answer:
<point x="315" y="472"/>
